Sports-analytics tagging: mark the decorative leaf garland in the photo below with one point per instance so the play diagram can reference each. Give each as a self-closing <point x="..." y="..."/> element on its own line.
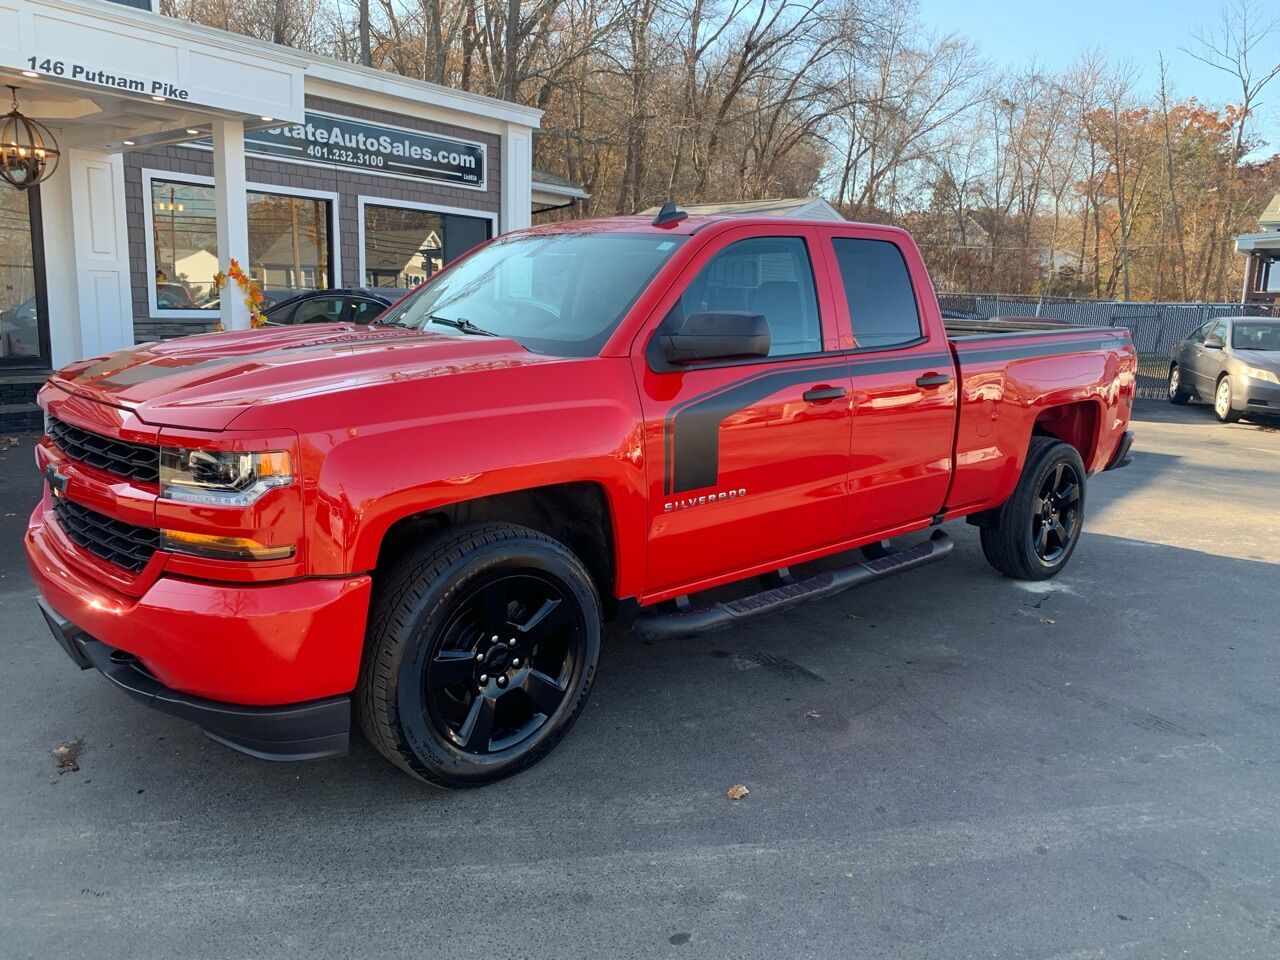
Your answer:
<point x="253" y="298"/>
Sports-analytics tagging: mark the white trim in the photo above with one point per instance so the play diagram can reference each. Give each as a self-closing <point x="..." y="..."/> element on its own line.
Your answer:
<point x="197" y="180"/>
<point x="411" y="96"/>
<point x="362" y="201"/>
<point x="516" y="196"/>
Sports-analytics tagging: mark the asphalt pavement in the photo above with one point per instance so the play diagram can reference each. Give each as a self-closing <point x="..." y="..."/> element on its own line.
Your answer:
<point x="944" y="765"/>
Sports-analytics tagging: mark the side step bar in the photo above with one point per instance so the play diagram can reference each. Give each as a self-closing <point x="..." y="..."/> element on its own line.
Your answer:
<point x="665" y="624"/>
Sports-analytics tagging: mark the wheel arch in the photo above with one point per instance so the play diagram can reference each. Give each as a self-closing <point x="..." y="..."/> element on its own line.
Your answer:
<point x="577" y="514"/>
<point x="1077" y="423"/>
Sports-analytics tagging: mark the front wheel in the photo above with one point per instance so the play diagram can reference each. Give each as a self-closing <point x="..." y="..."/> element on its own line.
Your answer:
<point x="1034" y="534"/>
<point x="1177" y="394"/>
<point x="1222" y="407"/>
<point x="481" y="651"/>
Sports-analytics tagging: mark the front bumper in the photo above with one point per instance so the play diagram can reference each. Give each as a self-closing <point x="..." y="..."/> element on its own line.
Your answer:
<point x="300" y="731"/>
<point x="254" y="644"/>
<point x="1257" y="396"/>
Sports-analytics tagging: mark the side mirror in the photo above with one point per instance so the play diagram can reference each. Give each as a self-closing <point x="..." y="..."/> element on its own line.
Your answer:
<point x="715" y="335"/>
<point x="1213" y="343"/>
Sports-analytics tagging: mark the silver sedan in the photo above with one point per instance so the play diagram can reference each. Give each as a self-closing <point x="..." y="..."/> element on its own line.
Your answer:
<point x="1233" y="363"/>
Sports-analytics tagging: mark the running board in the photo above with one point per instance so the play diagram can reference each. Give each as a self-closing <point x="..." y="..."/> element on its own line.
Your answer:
<point x="662" y="625"/>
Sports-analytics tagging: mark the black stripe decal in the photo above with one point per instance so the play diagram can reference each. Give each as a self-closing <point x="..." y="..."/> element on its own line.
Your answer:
<point x="895" y="364"/>
<point x="1040" y="349"/>
<point x="691" y="433"/>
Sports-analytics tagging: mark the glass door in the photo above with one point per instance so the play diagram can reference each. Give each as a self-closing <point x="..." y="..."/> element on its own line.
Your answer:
<point x="24" y="329"/>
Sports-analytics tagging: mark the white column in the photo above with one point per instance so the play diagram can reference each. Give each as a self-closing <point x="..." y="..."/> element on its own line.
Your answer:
<point x="231" y="209"/>
<point x="517" y="177"/>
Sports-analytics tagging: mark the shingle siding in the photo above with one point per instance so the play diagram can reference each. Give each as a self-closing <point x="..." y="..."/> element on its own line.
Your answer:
<point x="350" y="184"/>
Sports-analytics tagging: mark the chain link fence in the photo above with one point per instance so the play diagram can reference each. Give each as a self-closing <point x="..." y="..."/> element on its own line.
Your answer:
<point x="1155" y="327"/>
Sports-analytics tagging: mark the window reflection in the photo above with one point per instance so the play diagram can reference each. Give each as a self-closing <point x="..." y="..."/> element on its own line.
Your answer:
<point x="289" y="248"/>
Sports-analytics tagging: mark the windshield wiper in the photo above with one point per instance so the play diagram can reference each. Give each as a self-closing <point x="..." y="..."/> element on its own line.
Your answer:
<point x="463" y="324"/>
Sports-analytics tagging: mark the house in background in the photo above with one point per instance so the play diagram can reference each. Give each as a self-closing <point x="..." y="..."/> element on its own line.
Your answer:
<point x="1262" y="268"/>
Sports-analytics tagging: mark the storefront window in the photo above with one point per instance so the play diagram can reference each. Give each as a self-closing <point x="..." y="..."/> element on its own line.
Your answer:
<point x="288" y="245"/>
<point x="19" y="304"/>
<point x="404" y="247"/>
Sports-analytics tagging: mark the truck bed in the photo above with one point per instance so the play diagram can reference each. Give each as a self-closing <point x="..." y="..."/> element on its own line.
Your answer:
<point x="959" y="328"/>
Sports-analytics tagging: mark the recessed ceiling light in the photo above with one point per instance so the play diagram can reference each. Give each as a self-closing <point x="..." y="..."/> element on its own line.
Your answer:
<point x="193" y="131"/>
<point x="268" y="119"/>
<point x="158" y="99"/>
<point x="30" y="73"/>
<point x="127" y="143"/>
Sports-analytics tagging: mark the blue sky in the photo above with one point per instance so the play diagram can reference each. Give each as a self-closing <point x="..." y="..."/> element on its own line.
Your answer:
<point x="1011" y="32"/>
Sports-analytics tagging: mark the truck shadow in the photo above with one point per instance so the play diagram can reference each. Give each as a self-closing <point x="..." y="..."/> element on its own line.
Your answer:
<point x="956" y="669"/>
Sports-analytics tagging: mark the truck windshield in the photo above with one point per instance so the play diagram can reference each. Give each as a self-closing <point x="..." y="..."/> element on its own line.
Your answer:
<point x="559" y="293"/>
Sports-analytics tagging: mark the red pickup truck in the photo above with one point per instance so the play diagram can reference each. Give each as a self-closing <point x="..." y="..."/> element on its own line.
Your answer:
<point x="424" y="522"/>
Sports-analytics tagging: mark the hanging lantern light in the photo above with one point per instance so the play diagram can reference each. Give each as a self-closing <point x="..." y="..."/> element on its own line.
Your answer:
<point x="28" y="152"/>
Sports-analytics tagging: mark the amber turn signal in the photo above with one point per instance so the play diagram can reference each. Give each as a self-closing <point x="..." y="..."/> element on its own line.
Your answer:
<point x="221" y="548"/>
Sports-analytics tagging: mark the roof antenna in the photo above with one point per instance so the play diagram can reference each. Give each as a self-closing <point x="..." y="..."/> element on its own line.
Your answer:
<point x="669" y="215"/>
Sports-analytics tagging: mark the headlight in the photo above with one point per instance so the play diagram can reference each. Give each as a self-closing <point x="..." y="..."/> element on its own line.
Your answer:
<point x="221" y="477"/>
<point x="1257" y="373"/>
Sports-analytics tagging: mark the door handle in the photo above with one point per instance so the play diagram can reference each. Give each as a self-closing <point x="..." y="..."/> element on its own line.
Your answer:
<point x="818" y="394"/>
<point x="933" y="380"/>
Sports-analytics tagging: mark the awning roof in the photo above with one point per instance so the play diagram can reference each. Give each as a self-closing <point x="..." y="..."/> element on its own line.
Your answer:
<point x="1270" y="240"/>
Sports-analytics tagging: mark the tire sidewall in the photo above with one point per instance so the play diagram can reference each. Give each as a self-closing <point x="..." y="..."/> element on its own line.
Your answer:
<point x="1059" y="453"/>
<point x="1224" y="417"/>
<point x="440" y="758"/>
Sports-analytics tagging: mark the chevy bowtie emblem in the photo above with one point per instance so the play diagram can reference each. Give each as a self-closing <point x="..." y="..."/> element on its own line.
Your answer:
<point x="57" y="481"/>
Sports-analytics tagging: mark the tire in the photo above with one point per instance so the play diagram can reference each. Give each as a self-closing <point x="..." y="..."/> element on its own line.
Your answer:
<point x="481" y="650"/>
<point x="1050" y="495"/>
<point x="1177" y="393"/>
<point x="1222" y="401"/>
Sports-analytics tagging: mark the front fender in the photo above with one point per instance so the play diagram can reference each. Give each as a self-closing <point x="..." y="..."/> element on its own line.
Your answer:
<point x="548" y="429"/>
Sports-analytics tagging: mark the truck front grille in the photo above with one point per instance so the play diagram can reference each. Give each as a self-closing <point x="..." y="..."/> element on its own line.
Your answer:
<point x="115" y="541"/>
<point x="135" y="461"/>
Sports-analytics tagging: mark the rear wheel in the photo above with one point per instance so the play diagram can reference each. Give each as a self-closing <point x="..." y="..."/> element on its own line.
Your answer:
<point x="1222" y="408"/>
<point x="1177" y="393"/>
<point x="1034" y="534"/>
<point x="481" y="652"/>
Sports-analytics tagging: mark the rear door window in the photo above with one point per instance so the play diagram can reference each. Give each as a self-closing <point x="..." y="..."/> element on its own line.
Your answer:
<point x="320" y="310"/>
<point x="877" y="285"/>
<point x="365" y="311"/>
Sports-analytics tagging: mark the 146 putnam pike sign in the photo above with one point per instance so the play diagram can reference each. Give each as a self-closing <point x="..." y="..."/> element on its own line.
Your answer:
<point x="371" y="146"/>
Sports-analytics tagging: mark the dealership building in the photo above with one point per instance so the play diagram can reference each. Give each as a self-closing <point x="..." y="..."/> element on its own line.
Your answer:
<point x="181" y="147"/>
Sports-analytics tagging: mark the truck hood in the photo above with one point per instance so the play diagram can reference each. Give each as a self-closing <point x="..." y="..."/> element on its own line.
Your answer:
<point x="204" y="382"/>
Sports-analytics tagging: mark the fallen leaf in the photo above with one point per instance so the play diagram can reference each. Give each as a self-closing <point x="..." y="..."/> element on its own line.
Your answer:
<point x="67" y="756"/>
<point x="736" y="792"/>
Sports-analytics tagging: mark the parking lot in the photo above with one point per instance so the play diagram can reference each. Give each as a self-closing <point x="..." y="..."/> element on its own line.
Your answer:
<point x="947" y="764"/>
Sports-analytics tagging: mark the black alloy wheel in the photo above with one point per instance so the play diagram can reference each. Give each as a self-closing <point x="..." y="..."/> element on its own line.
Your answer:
<point x="1033" y="534"/>
<point x="1057" y="513"/>
<point x="481" y="652"/>
<point x="503" y="662"/>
